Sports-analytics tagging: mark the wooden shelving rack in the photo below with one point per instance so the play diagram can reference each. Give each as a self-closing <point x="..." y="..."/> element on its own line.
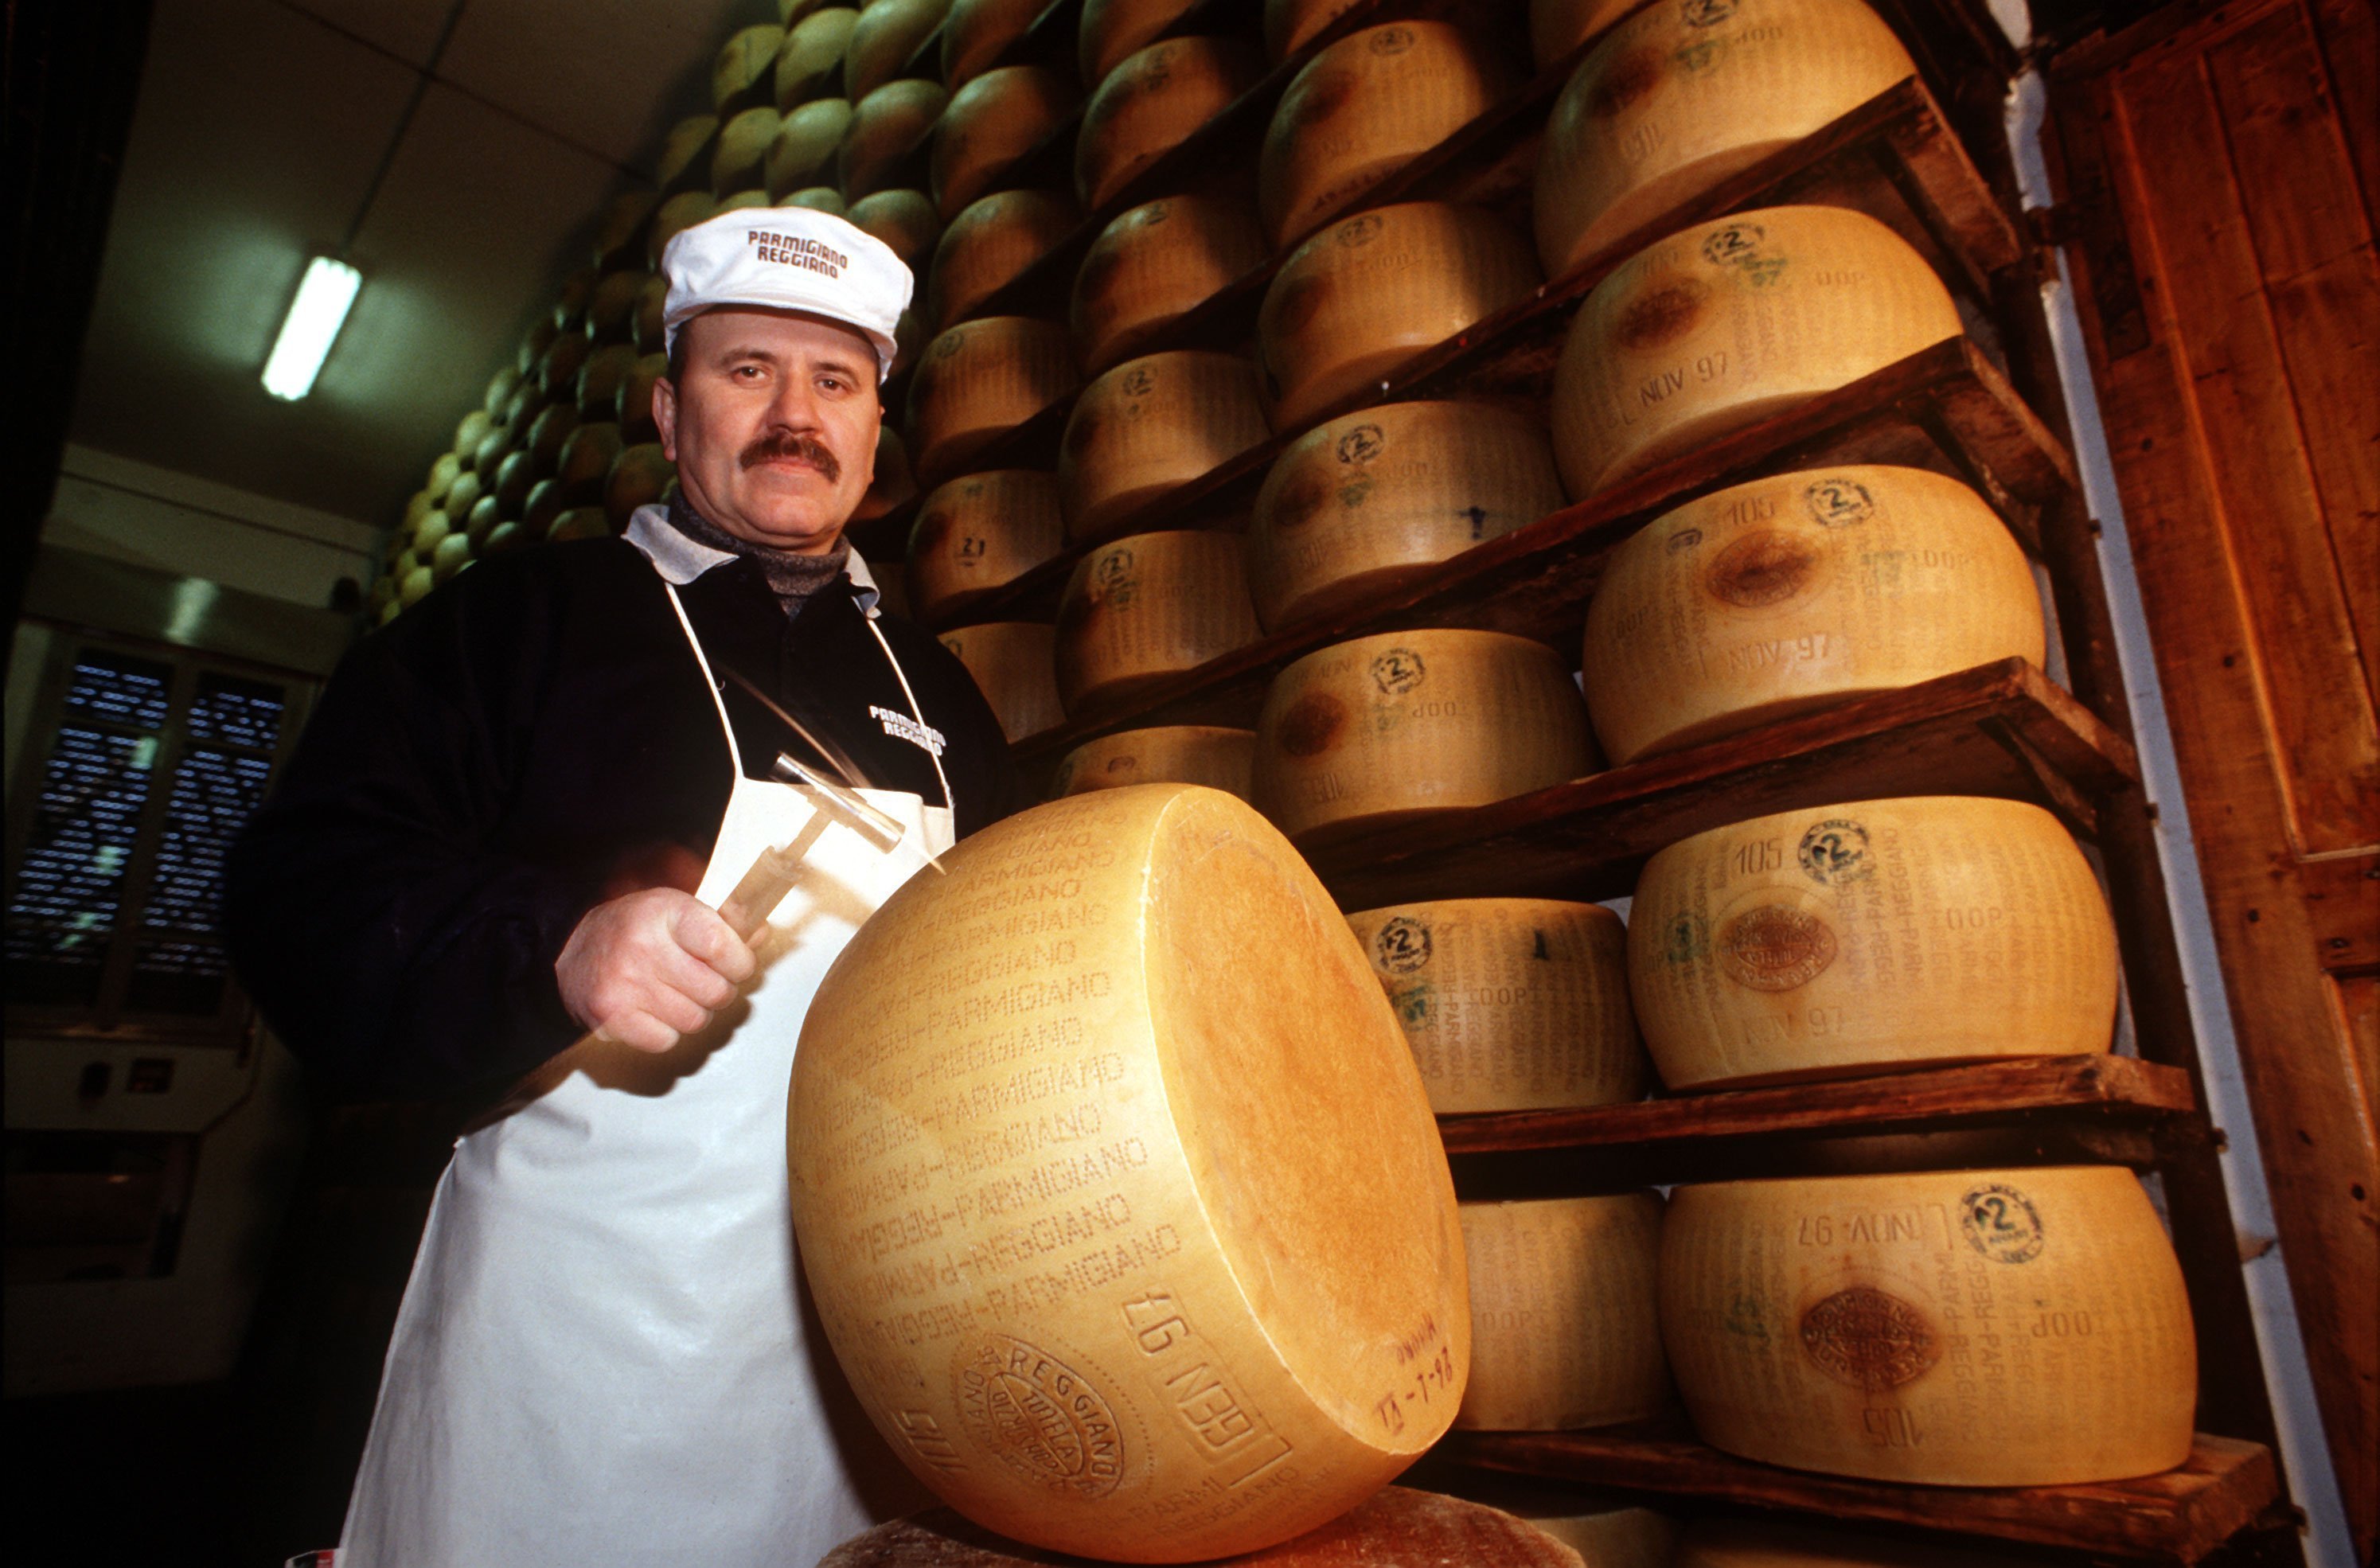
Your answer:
<point x="1984" y="409"/>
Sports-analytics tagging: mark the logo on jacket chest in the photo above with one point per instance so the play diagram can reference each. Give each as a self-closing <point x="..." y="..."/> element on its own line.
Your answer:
<point x="908" y="729"/>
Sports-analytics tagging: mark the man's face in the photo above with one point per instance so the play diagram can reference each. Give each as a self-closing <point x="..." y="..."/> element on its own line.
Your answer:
<point x="772" y="425"/>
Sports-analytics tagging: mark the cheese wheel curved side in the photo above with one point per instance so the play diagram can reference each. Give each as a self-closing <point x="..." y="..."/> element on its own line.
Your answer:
<point x="1013" y="667"/>
<point x="980" y="380"/>
<point x="1146" y="608"/>
<point x="1216" y="757"/>
<point x="978" y="533"/>
<point x="1147" y="427"/>
<point x="1565" y="1327"/>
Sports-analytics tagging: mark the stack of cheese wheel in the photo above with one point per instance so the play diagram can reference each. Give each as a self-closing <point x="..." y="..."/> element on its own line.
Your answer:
<point x="454" y="553"/>
<point x="460" y="499"/>
<point x="1290" y="25"/>
<point x="1406" y="724"/>
<point x="1113" y="30"/>
<point x="1374" y="499"/>
<point x="1362" y="109"/>
<point x="1199" y="754"/>
<point x="1148" y="426"/>
<point x="903" y="220"/>
<point x="686" y="152"/>
<point x="599" y="381"/>
<point x="1682" y="95"/>
<point x="745" y="70"/>
<point x="1153" y="265"/>
<point x="547" y="432"/>
<point x="533" y="344"/>
<point x="740" y="156"/>
<point x="1510" y="1003"/>
<point x="1729" y="322"/>
<point x="2000" y="1328"/>
<point x="652" y="301"/>
<point x="619" y="242"/>
<point x="587" y="460"/>
<point x="1557" y="27"/>
<point x="1151" y="103"/>
<point x="887" y="35"/>
<point x="810" y="64"/>
<point x="1564" y="1327"/>
<point x="579" y="522"/>
<point x="635" y="406"/>
<point x="1869" y="937"/>
<point x="612" y="310"/>
<point x="976" y="32"/>
<point x="886" y="127"/>
<point x="979" y="533"/>
<point x="1796" y="591"/>
<point x="894" y="484"/>
<point x="980" y="380"/>
<point x="641" y="477"/>
<point x="988" y="245"/>
<point x="1740" y="1543"/>
<point x="1081" y="1027"/>
<point x="442" y="474"/>
<point x="1370" y="292"/>
<point x="1148" y="607"/>
<point x="991" y="124"/>
<point x="1390" y="1529"/>
<point x="1013" y="665"/>
<point x="558" y="367"/>
<point x="803" y="153"/>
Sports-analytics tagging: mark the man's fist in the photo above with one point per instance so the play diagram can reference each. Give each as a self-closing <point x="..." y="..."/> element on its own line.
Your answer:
<point x="650" y="968"/>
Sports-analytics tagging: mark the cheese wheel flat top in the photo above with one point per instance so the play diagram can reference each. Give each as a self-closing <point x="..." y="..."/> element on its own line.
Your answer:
<point x="1055" y="1144"/>
<point x="1289" y="23"/>
<point x="975" y="534"/>
<point x="1153" y="101"/>
<point x="991" y="123"/>
<point x="974" y="33"/>
<point x="1363" y="108"/>
<point x="988" y="245"/>
<point x="1370" y="292"/>
<point x="1684" y="95"/>
<point x="810" y="64"/>
<point x="1565" y="1332"/>
<point x="1796" y="591"/>
<point x="807" y="141"/>
<point x="1727" y="323"/>
<point x="1146" y="608"/>
<point x="1867" y="937"/>
<point x="1112" y="30"/>
<point x="1741" y="1543"/>
<point x="1200" y="754"/>
<point x="1993" y="1327"/>
<point x="1394" y="1528"/>
<point x="1510" y="1003"/>
<point x="979" y="380"/>
<point x="1014" y="667"/>
<point x="1371" y="499"/>
<point x="884" y="38"/>
<point x="1154" y="264"/>
<point x="1557" y="27"/>
<point x="1380" y="729"/>
<point x="886" y="127"/>
<point x="1150" y="426"/>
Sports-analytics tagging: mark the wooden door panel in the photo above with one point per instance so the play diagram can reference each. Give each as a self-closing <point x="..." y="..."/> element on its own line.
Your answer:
<point x="2230" y="247"/>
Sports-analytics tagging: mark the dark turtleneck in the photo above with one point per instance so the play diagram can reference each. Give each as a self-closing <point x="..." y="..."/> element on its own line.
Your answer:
<point x="794" y="578"/>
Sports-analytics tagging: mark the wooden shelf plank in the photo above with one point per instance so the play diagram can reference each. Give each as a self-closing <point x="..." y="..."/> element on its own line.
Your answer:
<point x="1986" y="731"/>
<point x="2178" y="1517"/>
<point x="2098" y="1085"/>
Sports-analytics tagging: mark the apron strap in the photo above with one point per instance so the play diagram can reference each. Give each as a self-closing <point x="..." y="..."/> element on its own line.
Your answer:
<point x="933" y="753"/>
<point x="709" y="681"/>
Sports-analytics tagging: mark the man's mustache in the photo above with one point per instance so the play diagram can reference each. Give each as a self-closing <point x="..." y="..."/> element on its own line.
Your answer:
<point x="784" y="445"/>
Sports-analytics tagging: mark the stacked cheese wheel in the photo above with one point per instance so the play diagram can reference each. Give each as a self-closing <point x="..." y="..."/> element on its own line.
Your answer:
<point x="1216" y="757"/>
<point x="1564" y="1331"/>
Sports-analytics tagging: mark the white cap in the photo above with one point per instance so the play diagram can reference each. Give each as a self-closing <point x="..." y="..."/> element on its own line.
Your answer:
<point x="787" y="259"/>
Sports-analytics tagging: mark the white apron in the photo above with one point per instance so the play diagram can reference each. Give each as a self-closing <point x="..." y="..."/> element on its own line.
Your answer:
<point x="603" y="1356"/>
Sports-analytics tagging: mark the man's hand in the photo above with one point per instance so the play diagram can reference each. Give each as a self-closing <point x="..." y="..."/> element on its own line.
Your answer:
<point x="650" y="968"/>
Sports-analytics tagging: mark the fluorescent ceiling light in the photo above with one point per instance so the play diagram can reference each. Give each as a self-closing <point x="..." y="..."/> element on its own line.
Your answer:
<point x="315" y="316"/>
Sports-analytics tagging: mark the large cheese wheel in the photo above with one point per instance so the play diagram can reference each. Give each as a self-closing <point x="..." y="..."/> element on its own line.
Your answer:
<point x="501" y="388"/>
<point x="452" y="555"/>
<point x="1154" y="264"/>
<point x="544" y="505"/>
<point x="1795" y="591"/>
<point x="493" y="447"/>
<point x="1510" y="1003"/>
<point x="894" y="484"/>
<point x="619" y="240"/>
<point x="991" y="125"/>
<point x="533" y="344"/>
<point x="483" y="520"/>
<point x="1745" y="1543"/>
<point x="442" y="474"/>
<point x="599" y="379"/>
<point x="1369" y="500"/>
<point x="579" y="522"/>
<point x="416" y="587"/>
<point x="514" y="477"/>
<point x="1565" y="1331"/>
<point x="652" y="302"/>
<point x="467" y="489"/>
<point x="827" y="199"/>
<point x="1407" y="724"/>
<point x="505" y="538"/>
<point x="741" y="154"/>
<point x="987" y="246"/>
<point x="1148" y="426"/>
<point x="808" y="138"/>
<point x="1200" y="754"/>
<point x="431" y="532"/>
<point x="639" y="477"/>
<point x="978" y="382"/>
<point x="674" y="216"/>
<point x="1011" y="662"/>
<point x="1684" y="95"/>
<point x="1998" y="1328"/>
<point x="810" y="64"/>
<point x="633" y="407"/>
<point x="1362" y="109"/>
<point x="548" y="432"/>
<point x="686" y="152"/>
<point x="416" y="507"/>
<point x="472" y="429"/>
<point x="1731" y="321"/>
<point x="886" y="127"/>
<point x="1146" y="608"/>
<point x="1869" y="937"/>
<point x="745" y="66"/>
<point x="1394" y="1528"/>
<point x="1151" y="103"/>
<point x="1070" y="1186"/>
<point x="884" y="40"/>
<point x="976" y="534"/>
<point x="976" y="32"/>
<point x="1370" y="292"/>
<point x="1290" y="25"/>
<point x="905" y="220"/>
<point x="1112" y="30"/>
<point x="558" y="367"/>
<point x="612" y="309"/>
<point x="1557" y="27"/>
<point x="587" y="458"/>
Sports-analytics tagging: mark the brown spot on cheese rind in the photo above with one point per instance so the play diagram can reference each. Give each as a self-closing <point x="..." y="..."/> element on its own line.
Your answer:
<point x="1762" y="568"/>
<point x="1661" y="315"/>
<point x="1301" y="499"/>
<point x="932" y="528"/>
<point x="1083" y="430"/>
<point x="1312" y="724"/>
<point x="1302" y="300"/>
<point x="1627" y="81"/>
<point x="1870" y="1338"/>
<point x="1775" y="947"/>
<point x="1324" y="96"/>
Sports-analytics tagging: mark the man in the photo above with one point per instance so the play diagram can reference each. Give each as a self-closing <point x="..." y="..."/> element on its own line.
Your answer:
<point x="493" y="840"/>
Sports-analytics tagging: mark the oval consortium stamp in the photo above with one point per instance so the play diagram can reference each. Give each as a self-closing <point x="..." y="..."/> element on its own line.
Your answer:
<point x="1040" y="1417"/>
<point x="1401" y="946"/>
<point x="1775" y="947"/>
<point x="1870" y="1338"/>
<point x="1706" y="13"/>
<point x="1395" y="39"/>
<point x="2001" y="1223"/>
<point x="1361" y="444"/>
<point x="1398" y="670"/>
<point x="1835" y="851"/>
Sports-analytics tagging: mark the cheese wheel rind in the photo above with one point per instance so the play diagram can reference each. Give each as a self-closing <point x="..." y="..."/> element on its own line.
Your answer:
<point x="1148" y="426"/>
<point x="1994" y="1328"/>
<point x="991" y="124"/>
<point x="1148" y="607"/>
<point x="1153" y="101"/>
<point x="1870" y="936"/>
<point x="1054" y="1144"/>
<point x="988" y="245"/>
<point x="1152" y="265"/>
<point x="1216" y="757"/>
<point x="980" y="380"/>
<point x="978" y="534"/>
<point x="1013" y="667"/>
<point x="1565" y="1331"/>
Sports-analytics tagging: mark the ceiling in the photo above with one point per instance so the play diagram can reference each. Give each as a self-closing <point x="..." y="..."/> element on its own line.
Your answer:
<point x="259" y="129"/>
